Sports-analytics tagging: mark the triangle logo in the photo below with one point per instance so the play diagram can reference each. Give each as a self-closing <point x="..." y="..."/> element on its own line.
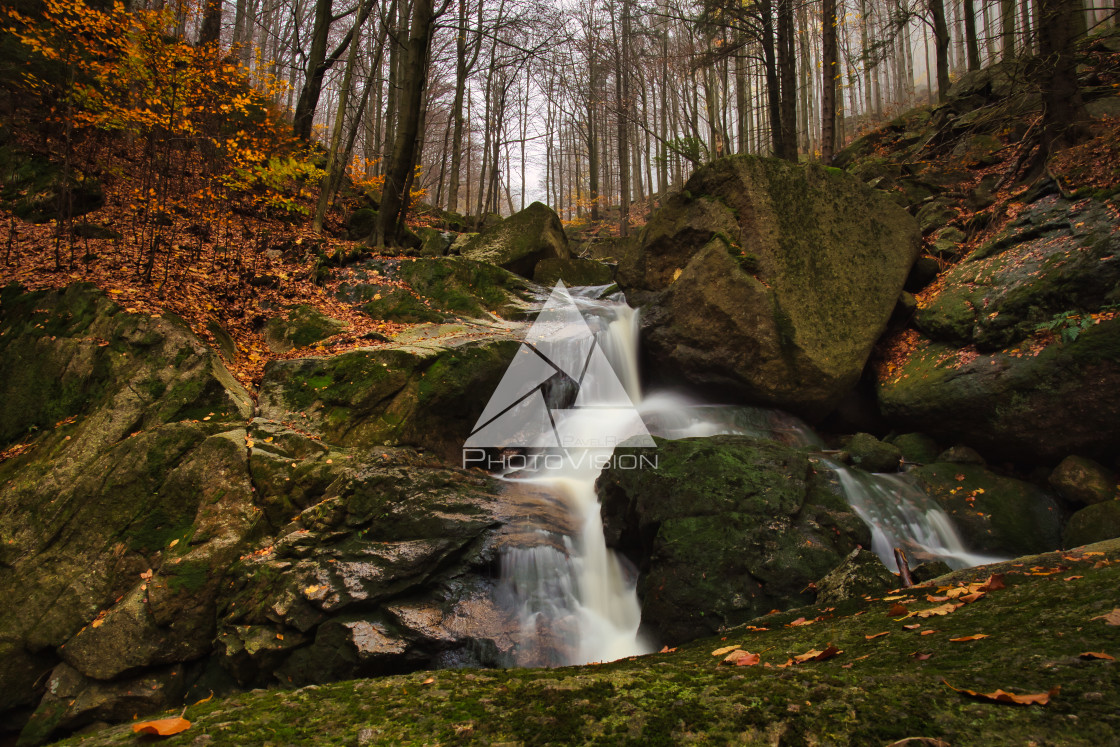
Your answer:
<point x="560" y="390"/>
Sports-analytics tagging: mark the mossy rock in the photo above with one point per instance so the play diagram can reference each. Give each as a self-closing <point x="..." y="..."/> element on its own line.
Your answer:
<point x="994" y="514"/>
<point x="300" y="327"/>
<point x="917" y="448"/>
<point x="723" y="529"/>
<point x="769" y="281"/>
<point x="426" y="395"/>
<point x="860" y="574"/>
<point x="1040" y="400"/>
<point x="519" y="242"/>
<point x="433" y="243"/>
<point x="1056" y="257"/>
<point x="574" y="272"/>
<point x="360" y="224"/>
<point x="1094" y="523"/>
<point x="872" y="455"/>
<point x="32" y="187"/>
<point x="686" y="694"/>
<point x="1083" y="481"/>
<point x="434" y="289"/>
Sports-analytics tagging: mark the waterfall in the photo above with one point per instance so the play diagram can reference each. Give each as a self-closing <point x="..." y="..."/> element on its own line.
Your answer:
<point x="574" y="598"/>
<point x="900" y="514"/>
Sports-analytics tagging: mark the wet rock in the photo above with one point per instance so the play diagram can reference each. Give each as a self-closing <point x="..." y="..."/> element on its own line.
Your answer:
<point x="770" y="281"/>
<point x="916" y="448"/>
<point x="994" y="514"/>
<point x="961" y="455"/>
<point x="724" y="529"/>
<point x="573" y="272"/>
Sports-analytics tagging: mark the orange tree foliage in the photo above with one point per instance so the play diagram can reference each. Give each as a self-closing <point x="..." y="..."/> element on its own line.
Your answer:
<point x="211" y="141"/>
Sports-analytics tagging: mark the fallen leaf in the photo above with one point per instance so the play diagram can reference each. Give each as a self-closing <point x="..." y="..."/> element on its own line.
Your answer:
<point x="877" y="635"/>
<point x="943" y="609"/>
<point x="994" y="583"/>
<point x="915" y="626"/>
<point x="897" y="609"/>
<point x="976" y="637"/>
<point x="1072" y="578"/>
<point x="725" y="650"/>
<point x="428" y="681"/>
<point x="927" y="632"/>
<point x="207" y="699"/>
<point x="815" y="655"/>
<point x="1112" y="618"/>
<point x="667" y="650"/>
<point x="932" y="598"/>
<point x="1097" y="655"/>
<point x="920" y="656"/>
<point x="164" y="727"/>
<point x="1002" y="696"/>
<point x="741" y="658"/>
<point x="799" y="622"/>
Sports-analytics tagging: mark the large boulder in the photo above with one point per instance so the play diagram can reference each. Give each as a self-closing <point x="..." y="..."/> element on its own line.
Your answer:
<point x="155" y="547"/>
<point x="770" y="280"/>
<point x="428" y="393"/>
<point x="725" y="529"/>
<point x="1083" y="481"/>
<point x="519" y="242"/>
<point x="1017" y="348"/>
<point x="1095" y="523"/>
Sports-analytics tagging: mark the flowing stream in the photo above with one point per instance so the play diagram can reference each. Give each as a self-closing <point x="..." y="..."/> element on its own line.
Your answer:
<point x="575" y="598"/>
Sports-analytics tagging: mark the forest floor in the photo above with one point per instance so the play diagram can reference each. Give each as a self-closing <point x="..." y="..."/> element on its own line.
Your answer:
<point x="923" y="662"/>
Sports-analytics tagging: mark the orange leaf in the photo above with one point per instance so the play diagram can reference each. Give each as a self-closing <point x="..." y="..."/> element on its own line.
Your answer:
<point x="927" y="632"/>
<point x="1112" y="618"/>
<point x="976" y="637"/>
<point x="1002" y="696"/>
<point x="877" y="635"/>
<point x="897" y="609"/>
<point x="164" y="727"/>
<point x="943" y="609"/>
<point x="799" y="622"/>
<point x="815" y="655"/>
<point x="1097" y="655"/>
<point x="725" y="650"/>
<point x="741" y="658"/>
<point x="667" y="650"/>
<point x="994" y="582"/>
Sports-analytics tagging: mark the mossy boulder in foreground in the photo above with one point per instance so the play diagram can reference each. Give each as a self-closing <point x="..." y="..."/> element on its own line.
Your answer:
<point x="770" y="280"/>
<point x="887" y="684"/>
<point x="725" y="529"/>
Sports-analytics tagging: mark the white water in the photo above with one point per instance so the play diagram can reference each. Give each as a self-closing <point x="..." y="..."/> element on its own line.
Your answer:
<point x="576" y="599"/>
<point x="900" y="514"/>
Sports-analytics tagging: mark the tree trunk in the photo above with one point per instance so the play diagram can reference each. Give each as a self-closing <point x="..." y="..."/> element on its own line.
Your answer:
<point x="1063" y="109"/>
<point x="402" y="161"/>
<point x="828" y="80"/>
<point x="970" y="41"/>
<point x="941" y="46"/>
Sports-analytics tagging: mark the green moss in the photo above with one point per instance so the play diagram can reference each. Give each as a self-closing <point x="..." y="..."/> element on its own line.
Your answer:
<point x="876" y="692"/>
<point x="188" y="576"/>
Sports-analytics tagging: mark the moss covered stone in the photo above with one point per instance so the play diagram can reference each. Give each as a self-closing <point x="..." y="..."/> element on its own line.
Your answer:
<point x="1035" y="401"/>
<point x="994" y="514"/>
<point x="872" y="455"/>
<point x="572" y="271"/>
<point x="520" y="241"/>
<point x="794" y="325"/>
<point x="1084" y="481"/>
<point x="1094" y="523"/>
<point x="880" y="690"/>
<point x="723" y="529"/>
<point x="301" y="326"/>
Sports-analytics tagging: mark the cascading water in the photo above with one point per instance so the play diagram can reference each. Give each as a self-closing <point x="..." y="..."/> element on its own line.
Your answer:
<point x="900" y="514"/>
<point x="576" y="599"/>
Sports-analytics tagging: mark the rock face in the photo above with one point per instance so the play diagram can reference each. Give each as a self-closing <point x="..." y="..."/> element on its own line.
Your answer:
<point x="725" y="529"/>
<point x="1025" y="322"/>
<point x="769" y="280"/>
<point x="861" y="573"/>
<point x="572" y="271"/>
<point x="519" y="242"/>
<point x="158" y="541"/>
<point x="1083" y="481"/>
<point x="1094" y="523"/>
